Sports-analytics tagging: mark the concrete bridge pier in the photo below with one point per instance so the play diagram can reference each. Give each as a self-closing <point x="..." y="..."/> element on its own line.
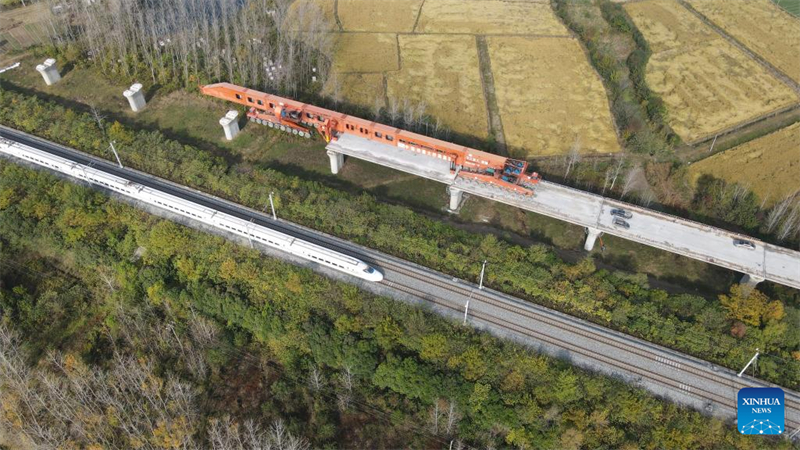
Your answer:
<point x="337" y="161"/>
<point x="749" y="283"/>
<point x="135" y="97"/>
<point x="456" y="195"/>
<point x="49" y="71"/>
<point x="591" y="236"/>
<point x="230" y="124"/>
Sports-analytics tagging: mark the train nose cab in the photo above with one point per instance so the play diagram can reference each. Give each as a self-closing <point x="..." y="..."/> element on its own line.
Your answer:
<point x="370" y="273"/>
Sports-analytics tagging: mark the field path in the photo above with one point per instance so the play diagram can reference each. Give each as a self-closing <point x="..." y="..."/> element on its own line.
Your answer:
<point x="493" y="112"/>
<point x="419" y="13"/>
<point x="772" y="69"/>
<point x="336" y="15"/>
<point x="740" y="134"/>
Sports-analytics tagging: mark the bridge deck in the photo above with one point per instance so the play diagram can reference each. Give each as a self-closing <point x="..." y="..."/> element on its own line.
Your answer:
<point x="660" y="230"/>
<point x="393" y="157"/>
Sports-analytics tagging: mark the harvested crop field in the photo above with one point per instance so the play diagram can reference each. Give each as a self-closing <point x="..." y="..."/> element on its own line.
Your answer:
<point x="23" y="27"/>
<point x="366" y="52"/>
<point x="669" y="26"/>
<point x="362" y="89"/>
<point x="302" y="13"/>
<point x="714" y="87"/>
<point x="761" y="26"/>
<point x="379" y="15"/>
<point x="442" y="72"/>
<point x="707" y="84"/>
<point x="549" y="97"/>
<point x="425" y="56"/>
<point x="489" y="17"/>
<point x="769" y="165"/>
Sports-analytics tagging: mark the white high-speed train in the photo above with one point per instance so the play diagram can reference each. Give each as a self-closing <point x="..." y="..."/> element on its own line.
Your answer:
<point x="251" y="231"/>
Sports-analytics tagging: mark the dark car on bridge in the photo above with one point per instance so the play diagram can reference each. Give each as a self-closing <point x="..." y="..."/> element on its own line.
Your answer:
<point x="742" y="243"/>
<point x="619" y="223"/>
<point x="619" y="212"/>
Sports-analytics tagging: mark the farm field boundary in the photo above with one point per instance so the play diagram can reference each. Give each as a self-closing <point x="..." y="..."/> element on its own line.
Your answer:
<point x="708" y="83"/>
<point x="492" y="110"/>
<point x="779" y="74"/>
<point x="745" y="127"/>
<point x="772" y="162"/>
<point x="790" y="6"/>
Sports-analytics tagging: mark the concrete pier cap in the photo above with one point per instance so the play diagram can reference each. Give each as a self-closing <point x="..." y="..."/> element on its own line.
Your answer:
<point x="230" y="124"/>
<point x="49" y="71"/>
<point x="135" y="97"/>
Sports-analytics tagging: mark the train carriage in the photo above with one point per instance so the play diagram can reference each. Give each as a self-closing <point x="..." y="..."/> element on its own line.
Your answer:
<point x="252" y="231"/>
<point x="177" y="205"/>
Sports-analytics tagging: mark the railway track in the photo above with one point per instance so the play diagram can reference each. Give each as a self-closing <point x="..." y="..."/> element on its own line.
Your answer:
<point x="425" y="277"/>
<point x="593" y="335"/>
<point x="726" y="401"/>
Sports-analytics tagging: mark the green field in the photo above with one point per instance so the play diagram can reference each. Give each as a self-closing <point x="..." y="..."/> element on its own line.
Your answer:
<point x="792" y="6"/>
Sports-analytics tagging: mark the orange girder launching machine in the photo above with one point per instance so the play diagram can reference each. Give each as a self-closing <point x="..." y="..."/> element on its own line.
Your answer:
<point x="300" y="118"/>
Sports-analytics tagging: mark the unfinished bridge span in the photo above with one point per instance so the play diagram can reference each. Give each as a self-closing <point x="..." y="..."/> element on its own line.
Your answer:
<point x="511" y="181"/>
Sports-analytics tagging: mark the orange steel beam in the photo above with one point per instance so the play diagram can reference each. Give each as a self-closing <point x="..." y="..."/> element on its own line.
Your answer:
<point x="300" y="118"/>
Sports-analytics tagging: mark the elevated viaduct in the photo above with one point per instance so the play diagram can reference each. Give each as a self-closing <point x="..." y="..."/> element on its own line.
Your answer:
<point x="466" y="170"/>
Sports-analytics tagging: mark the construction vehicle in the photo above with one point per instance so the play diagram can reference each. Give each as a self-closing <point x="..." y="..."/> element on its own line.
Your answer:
<point x="301" y="118"/>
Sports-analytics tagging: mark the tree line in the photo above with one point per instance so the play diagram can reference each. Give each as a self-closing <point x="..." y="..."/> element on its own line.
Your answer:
<point x="272" y="45"/>
<point x="174" y="339"/>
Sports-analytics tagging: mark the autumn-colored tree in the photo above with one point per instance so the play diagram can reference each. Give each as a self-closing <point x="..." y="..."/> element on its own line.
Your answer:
<point x="753" y="308"/>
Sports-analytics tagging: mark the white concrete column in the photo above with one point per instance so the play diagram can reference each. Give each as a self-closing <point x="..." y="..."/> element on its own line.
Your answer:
<point x="230" y="124"/>
<point x="135" y="97"/>
<point x="455" y="198"/>
<point x="749" y="283"/>
<point x="337" y="161"/>
<point x="752" y="280"/>
<point x="591" y="236"/>
<point x="49" y="71"/>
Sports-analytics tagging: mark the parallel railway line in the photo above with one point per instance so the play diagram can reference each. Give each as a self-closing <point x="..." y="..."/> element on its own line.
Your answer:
<point x="727" y="402"/>
<point x="394" y="267"/>
<point x="597" y="336"/>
